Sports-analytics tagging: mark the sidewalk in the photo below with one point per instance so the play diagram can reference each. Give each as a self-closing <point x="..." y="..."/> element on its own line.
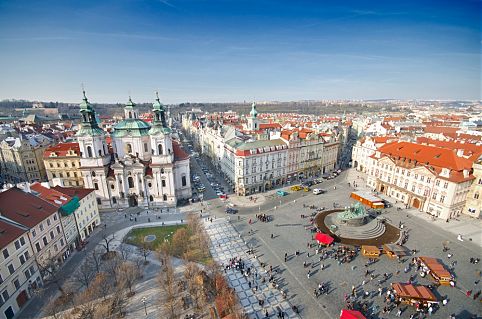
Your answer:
<point x="226" y="243"/>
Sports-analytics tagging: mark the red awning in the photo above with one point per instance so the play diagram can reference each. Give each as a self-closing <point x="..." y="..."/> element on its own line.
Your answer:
<point x="351" y="314"/>
<point x="324" y="238"/>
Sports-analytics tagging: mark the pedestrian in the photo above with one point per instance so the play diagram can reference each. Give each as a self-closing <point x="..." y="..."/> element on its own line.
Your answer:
<point x="444" y="302"/>
<point x="272" y="236"/>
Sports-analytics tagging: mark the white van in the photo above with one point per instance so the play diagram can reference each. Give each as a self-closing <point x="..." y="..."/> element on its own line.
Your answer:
<point x="318" y="191"/>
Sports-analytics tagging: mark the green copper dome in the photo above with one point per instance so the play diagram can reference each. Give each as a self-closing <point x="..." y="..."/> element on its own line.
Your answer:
<point x="131" y="127"/>
<point x="253" y="112"/>
<point x="158" y="130"/>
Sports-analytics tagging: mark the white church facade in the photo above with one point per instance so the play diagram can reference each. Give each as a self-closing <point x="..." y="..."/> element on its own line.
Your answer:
<point x="143" y="167"/>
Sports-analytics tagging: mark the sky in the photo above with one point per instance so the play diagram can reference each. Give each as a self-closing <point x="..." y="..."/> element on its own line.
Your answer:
<point x="227" y="51"/>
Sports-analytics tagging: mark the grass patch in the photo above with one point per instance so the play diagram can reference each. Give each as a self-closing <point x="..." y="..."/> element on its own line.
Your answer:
<point x="136" y="236"/>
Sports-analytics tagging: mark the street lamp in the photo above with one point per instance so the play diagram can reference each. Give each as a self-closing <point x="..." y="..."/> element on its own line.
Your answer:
<point x="144" y="300"/>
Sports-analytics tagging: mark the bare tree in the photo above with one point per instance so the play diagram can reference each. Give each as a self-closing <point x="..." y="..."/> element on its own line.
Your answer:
<point x="101" y="286"/>
<point x="125" y="251"/>
<point x="48" y="270"/>
<point x="167" y="282"/>
<point x="128" y="274"/>
<point x="53" y="308"/>
<point x="85" y="274"/>
<point x="180" y="241"/>
<point x="145" y="250"/>
<point x="107" y="241"/>
<point x="95" y="258"/>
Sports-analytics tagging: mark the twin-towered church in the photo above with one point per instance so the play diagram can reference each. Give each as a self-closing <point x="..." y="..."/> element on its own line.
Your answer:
<point x="143" y="167"/>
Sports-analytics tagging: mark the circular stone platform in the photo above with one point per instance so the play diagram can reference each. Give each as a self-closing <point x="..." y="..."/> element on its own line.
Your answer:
<point x="149" y="238"/>
<point x="375" y="231"/>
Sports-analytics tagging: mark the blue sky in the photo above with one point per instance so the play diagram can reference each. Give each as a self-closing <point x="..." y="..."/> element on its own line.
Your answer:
<point x="239" y="50"/>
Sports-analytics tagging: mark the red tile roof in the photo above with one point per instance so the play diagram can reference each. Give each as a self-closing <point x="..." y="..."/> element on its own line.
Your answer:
<point x="50" y="195"/>
<point x="61" y="149"/>
<point x="24" y="208"/>
<point x="440" y="129"/>
<point x="471" y="150"/>
<point x="9" y="232"/>
<point x="435" y="156"/>
<point x="71" y="191"/>
<point x="265" y="126"/>
<point x="179" y="153"/>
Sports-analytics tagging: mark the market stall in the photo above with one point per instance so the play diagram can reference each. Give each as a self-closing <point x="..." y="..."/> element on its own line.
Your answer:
<point x="436" y="269"/>
<point x="370" y="251"/>
<point x="351" y="314"/>
<point x="324" y="239"/>
<point x="395" y="251"/>
<point x="414" y="295"/>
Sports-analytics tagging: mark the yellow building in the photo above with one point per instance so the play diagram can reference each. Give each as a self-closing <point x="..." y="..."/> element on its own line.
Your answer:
<point x="62" y="164"/>
<point x="21" y="159"/>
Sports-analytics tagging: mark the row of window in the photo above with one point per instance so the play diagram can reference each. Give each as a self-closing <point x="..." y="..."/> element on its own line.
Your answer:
<point x="59" y="164"/>
<point x="67" y="174"/>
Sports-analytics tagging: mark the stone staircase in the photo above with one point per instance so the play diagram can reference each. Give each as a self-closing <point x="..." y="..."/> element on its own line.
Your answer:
<point x="372" y="229"/>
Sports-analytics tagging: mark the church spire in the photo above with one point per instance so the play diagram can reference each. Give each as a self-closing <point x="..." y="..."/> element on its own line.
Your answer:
<point x="254" y="112"/>
<point x="159" y="112"/>
<point x="89" y="124"/>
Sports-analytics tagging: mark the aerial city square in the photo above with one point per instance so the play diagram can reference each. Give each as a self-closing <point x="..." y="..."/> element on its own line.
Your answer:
<point x="186" y="159"/>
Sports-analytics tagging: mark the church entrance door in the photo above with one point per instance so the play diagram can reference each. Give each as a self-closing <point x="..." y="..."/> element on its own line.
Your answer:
<point x="133" y="200"/>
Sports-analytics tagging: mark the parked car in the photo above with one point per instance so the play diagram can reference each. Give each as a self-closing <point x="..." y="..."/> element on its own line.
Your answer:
<point x="318" y="191"/>
<point x="296" y="188"/>
<point x="230" y="210"/>
<point x="281" y="193"/>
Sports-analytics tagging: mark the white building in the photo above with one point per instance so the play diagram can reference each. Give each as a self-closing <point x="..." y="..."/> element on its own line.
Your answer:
<point x="255" y="166"/>
<point x="19" y="273"/>
<point x="366" y="147"/>
<point x="432" y="179"/>
<point x="87" y="213"/>
<point x="145" y="166"/>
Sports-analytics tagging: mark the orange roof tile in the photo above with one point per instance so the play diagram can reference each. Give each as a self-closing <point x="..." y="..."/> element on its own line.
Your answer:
<point x="62" y="149"/>
<point x="424" y="154"/>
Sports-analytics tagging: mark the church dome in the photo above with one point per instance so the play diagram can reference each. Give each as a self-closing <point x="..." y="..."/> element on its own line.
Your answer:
<point x="131" y="127"/>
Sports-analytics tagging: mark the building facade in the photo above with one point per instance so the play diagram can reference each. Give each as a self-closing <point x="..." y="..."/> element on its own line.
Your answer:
<point x="66" y="207"/>
<point x="432" y="179"/>
<point x="21" y="159"/>
<point x="255" y="166"/>
<point x="45" y="231"/>
<point x="86" y="215"/>
<point x="145" y="166"/>
<point x="62" y="165"/>
<point x="19" y="273"/>
<point x="473" y="204"/>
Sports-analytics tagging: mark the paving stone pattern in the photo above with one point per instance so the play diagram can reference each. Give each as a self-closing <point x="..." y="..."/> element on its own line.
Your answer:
<point x="226" y="244"/>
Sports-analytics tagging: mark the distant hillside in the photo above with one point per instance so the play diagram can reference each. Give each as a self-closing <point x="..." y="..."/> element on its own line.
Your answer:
<point x="14" y="107"/>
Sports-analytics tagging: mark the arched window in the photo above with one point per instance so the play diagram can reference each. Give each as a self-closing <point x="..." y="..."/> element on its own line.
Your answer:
<point x="151" y="198"/>
<point x="129" y="148"/>
<point x="159" y="149"/>
<point x="114" y="200"/>
<point x="183" y="180"/>
<point x="96" y="186"/>
<point x="89" y="151"/>
<point x="162" y="170"/>
<point x="130" y="115"/>
<point x="145" y="147"/>
<point x="100" y="153"/>
<point x="130" y="181"/>
<point x="93" y="174"/>
<point x="164" y="197"/>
